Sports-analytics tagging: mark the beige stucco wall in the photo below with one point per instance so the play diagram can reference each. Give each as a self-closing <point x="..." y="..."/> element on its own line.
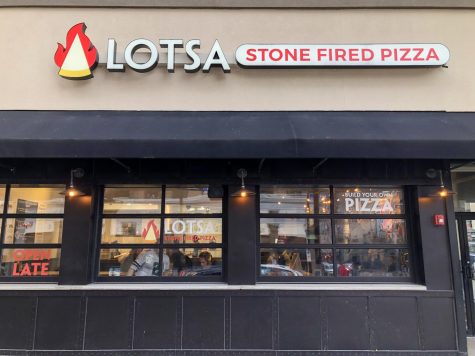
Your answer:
<point x="29" y="79"/>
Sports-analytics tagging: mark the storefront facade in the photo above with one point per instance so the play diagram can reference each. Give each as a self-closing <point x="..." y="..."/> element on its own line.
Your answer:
<point x="209" y="205"/>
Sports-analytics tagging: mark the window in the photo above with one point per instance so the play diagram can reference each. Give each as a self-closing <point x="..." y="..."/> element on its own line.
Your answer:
<point x="462" y="184"/>
<point x="161" y="233"/>
<point x="31" y="230"/>
<point x="333" y="233"/>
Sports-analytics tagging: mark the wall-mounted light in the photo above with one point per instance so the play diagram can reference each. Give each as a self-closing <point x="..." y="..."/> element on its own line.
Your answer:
<point x="72" y="190"/>
<point x="242" y="192"/>
<point x="443" y="192"/>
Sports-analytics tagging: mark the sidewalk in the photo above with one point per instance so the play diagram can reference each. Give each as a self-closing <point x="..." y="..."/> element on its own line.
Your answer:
<point x="471" y="346"/>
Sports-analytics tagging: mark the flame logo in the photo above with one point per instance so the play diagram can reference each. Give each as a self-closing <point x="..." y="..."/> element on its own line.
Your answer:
<point x="79" y="58"/>
<point x="151" y="232"/>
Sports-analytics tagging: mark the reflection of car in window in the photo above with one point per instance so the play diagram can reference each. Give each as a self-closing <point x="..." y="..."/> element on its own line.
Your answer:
<point x="279" y="270"/>
<point x="209" y="271"/>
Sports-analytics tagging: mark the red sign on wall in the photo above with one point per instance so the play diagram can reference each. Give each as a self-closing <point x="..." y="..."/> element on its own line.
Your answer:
<point x="439" y="220"/>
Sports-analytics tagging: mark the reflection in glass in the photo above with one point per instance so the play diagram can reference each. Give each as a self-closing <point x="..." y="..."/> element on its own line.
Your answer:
<point x="463" y="186"/>
<point x="370" y="231"/>
<point x="36" y="199"/>
<point x="130" y="231"/>
<point x="296" y="263"/>
<point x="41" y="262"/>
<point x="192" y="230"/>
<point x="373" y="262"/>
<point x="470" y="224"/>
<point x="130" y="262"/>
<point x="356" y="200"/>
<point x="2" y="197"/>
<point x="33" y="231"/>
<point x="289" y="200"/>
<point x="138" y="262"/>
<point x="295" y="231"/>
<point x="191" y="200"/>
<point x="193" y="262"/>
<point x="144" y="200"/>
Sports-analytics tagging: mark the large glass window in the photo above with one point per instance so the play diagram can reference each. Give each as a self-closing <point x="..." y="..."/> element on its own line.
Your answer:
<point x="161" y="232"/>
<point x="463" y="184"/>
<point x="31" y="230"/>
<point x="333" y="233"/>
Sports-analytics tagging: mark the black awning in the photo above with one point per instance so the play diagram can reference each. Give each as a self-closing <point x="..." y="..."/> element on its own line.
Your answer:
<point x="139" y="134"/>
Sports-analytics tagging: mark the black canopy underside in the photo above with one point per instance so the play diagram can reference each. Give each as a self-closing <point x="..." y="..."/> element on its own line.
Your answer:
<point x="163" y="134"/>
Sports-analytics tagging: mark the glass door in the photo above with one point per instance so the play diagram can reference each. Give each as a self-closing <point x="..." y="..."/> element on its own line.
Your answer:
<point x="466" y="234"/>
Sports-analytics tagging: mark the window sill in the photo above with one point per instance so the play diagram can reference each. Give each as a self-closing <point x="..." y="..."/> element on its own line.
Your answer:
<point x="217" y="286"/>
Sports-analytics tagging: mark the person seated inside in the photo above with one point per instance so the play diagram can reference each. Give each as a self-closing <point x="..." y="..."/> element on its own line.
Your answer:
<point x="179" y="263"/>
<point x="206" y="260"/>
<point x="145" y="264"/>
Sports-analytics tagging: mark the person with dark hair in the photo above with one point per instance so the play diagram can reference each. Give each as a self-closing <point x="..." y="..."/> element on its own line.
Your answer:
<point x="180" y="262"/>
<point x="206" y="260"/>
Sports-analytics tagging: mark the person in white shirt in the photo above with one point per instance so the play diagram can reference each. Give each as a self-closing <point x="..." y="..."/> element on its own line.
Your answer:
<point x="146" y="264"/>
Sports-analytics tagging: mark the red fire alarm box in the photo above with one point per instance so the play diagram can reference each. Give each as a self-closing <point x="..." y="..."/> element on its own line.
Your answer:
<point x="439" y="220"/>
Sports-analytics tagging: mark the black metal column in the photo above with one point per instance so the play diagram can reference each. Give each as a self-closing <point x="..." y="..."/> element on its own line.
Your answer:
<point x="77" y="241"/>
<point x="440" y="253"/>
<point x="242" y="231"/>
<point x="435" y="241"/>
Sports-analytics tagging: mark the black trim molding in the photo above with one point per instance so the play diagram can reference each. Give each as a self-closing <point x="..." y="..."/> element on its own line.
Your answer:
<point x="267" y="4"/>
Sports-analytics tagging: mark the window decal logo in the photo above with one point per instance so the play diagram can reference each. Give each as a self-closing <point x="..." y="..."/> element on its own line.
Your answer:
<point x="79" y="58"/>
<point x="150" y="232"/>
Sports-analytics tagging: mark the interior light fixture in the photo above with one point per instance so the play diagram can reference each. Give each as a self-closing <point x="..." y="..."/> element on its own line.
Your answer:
<point x="243" y="192"/>
<point x="72" y="190"/>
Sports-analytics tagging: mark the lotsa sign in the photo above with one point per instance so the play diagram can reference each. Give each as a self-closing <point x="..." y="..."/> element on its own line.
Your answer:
<point x="79" y="57"/>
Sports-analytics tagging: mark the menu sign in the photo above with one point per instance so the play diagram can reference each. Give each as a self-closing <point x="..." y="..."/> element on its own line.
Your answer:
<point x="25" y="228"/>
<point x="369" y="201"/>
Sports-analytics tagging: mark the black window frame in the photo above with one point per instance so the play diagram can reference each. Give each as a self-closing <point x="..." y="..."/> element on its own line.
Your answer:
<point x="5" y="215"/>
<point x="406" y="216"/>
<point x="161" y="216"/>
